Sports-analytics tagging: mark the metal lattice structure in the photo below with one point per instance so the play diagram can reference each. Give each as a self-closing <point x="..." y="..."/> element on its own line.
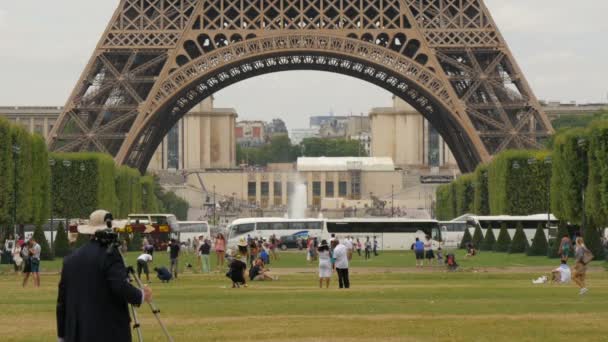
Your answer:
<point x="159" y="58"/>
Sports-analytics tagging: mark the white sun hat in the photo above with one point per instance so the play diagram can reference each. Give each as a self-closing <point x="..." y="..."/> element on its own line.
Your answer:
<point x="96" y="222"/>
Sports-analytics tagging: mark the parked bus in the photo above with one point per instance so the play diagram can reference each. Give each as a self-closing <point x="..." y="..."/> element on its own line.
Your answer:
<point x="264" y="227"/>
<point x="452" y="232"/>
<point x="391" y="233"/>
<point x="530" y="224"/>
<point x="162" y="227"/>
<point x="192" y="229"/>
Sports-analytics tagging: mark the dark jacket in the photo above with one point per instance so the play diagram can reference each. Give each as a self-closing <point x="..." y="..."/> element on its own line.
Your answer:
<point x="93" y="294"/>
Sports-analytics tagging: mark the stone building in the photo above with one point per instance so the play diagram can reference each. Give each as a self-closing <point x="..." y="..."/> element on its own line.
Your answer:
<point x="203" y="139"/>
<point x="401" y="133"/>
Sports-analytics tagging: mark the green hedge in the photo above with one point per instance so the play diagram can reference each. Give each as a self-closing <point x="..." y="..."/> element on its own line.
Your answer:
<point x="84" y="186"/>
<point x="62" y="244"/>
<point x="481" y="202"/>
<point x="150" y="203"/>
<point x="128" y="191"/>
<point x="40" y="181"/>
<point x="516" y="186"/>
<point x="23" y="178"/>
<point x="446" y="202"/>
<point x="569" y="174"/>
<point x="6" y="174"/>
<point x="466" y="238"/>
<point x="464" y="193"/>
<point x="477" y="237"/>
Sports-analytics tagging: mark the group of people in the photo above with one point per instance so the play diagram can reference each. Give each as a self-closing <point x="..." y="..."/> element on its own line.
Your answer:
<point x="582" y="257"/>
<point x="335" y="256"/>
<point x="25" y="257"/>
<point x="425" y="250"/>
<point x="253" y="255"/>
<point x="352" y="244"/>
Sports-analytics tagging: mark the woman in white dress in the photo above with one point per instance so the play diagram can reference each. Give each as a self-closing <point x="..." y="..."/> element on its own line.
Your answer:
<point x="325" y="266"/>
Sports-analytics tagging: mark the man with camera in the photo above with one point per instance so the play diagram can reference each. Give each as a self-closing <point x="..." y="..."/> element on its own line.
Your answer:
<point x="94" y="290"/>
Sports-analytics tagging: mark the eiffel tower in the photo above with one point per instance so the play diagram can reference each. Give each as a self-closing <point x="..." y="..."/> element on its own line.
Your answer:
<point x="159" y="58"/>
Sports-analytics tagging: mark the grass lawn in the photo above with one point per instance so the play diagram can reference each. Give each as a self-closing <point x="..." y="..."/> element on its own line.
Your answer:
<point x="391" y="305"/>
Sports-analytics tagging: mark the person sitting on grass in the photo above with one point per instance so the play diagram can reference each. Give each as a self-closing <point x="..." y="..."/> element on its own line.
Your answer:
<point x="562" y="274"/>
<point x="163" y="274"/>
<point x="471" y="251"/>
<point x="259" y="273"/>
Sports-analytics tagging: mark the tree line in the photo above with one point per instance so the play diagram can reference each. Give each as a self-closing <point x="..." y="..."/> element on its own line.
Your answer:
<point x="35" y="183"/>
<point x="281" y="150"/>
<point x="569" y="180"/>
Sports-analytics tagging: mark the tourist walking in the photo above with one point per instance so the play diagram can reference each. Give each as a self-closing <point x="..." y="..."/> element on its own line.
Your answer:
<point x="565" y="246"/>
<point x="368" y="248"/>
<point x="582" y="256"/>
<point x="174" y="251"/>
<point x="220" y="250"/>
<point x="204" y="250"/>
<point x="34" y="263"/>
<point x="419" y="252"/>
<point x="325" y="266"/>
<point x="340" y="255"/>
<point x="253" y="251"/>
<point x="274" y="244"/>
<point x="359" y="246"/>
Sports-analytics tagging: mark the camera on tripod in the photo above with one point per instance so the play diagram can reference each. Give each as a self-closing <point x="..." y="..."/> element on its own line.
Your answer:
<point x="107" y="236"/>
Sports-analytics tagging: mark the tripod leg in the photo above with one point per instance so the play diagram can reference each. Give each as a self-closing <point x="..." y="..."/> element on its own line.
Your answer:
<point x="136" y="325"/>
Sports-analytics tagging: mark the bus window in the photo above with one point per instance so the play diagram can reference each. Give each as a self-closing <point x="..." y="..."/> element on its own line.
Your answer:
<point x="278" y="226"/>
<point x="297" y="226"/>
<point x="436" y="234"/>
<point x="243" y="228"/>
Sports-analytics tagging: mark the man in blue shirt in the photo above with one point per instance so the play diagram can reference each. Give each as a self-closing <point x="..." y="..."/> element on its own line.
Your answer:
<point x="419" y="251"/>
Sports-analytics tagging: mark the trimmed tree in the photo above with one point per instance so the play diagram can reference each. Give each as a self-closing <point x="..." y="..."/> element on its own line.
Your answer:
<point x="466" y="238"/>
<point x="539" y="244"/>
<point x="45" y="250"/>
<point x="504" y="240"/>
<point x="519" y="244"/>
<point x="477" y="237"/>
<point x="488" y="241"/>
<point x="593" y="241"/>
<point x="62" y="244"/>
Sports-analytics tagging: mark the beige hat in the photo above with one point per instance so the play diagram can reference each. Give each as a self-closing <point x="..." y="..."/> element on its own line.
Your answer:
<point x="96" y="222"/>
<point x="242" y="243"/>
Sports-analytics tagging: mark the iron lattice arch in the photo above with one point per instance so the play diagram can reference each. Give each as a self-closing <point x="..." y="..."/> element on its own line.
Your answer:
<point x="158" y="58"/>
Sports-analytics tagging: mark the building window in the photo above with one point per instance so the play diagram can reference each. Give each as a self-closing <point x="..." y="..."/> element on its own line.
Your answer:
<point x="278" y="189"/>
<point x="342" y="189"/>
<point x="251" y="189"/>
<point x="316" y="188"/>
<point x="265" y="189"/>
<point x="38" y="129"/>
<point x="173" y="148"/>
<point x="329" y="189"/>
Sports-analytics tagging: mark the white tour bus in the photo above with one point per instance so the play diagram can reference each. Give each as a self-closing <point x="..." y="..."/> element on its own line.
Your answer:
<point x="452" y="232"/>
<point x="391" y="233"/>
<point x="192" y="229"/>
<point x="529" y="223"/>
<point x="264" y="227"/>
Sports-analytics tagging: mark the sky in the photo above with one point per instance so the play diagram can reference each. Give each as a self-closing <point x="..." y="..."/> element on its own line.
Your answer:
<point x="45" y="45"/>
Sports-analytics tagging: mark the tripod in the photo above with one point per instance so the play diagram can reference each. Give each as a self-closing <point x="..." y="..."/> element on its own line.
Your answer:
<point x="153" y="307"/>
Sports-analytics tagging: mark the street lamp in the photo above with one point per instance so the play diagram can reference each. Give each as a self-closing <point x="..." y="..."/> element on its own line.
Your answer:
<point x="51" y="164"/>
<point x="549" y="162"/>
<point x="582" y="144"/>
<point x="66" y="164"/>
<point x="16" y="153"/>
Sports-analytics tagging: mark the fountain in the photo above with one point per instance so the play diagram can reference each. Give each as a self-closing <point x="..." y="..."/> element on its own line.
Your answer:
<point x="298" y="203"/>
